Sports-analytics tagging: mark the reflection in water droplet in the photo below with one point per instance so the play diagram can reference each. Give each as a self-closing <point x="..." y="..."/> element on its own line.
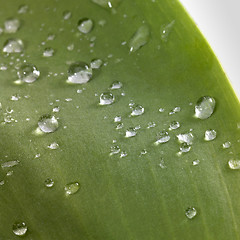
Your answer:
<point x="195" y="162"/>
<point x="174" y="125"/>
<point x="139" y="39"/>
<point x="106" y="98"/>
<point x="96" y="63"/>
<point x="234" y="164"/>
<point x="20" y="228"/>
<point x="48" y="123"/>
<point x="114" y="150"/>
<point x="67" y="15"/>
<point x="85" y="25"/>
<point x="53" y="146"/>
<point x="28" y="73"/>
<point x="226" y="145"/>
<point x="162" y="137"/>
<point x="210" y="135"/>
<point x="116" y="85"/>
<point x="48" y="52"/>
<point x="49" y="183"/>
<point x="130" y="132"/>
<point x="165" y="31"/>
<point x="205" y="107"/>
<point x="185" y="138"/>
<point x="137" y="110"/>
<point x="71" y="188"/>
<point x="13" y="46"/>
<point x="190" y="212"/>
<point x="11" y="25"/>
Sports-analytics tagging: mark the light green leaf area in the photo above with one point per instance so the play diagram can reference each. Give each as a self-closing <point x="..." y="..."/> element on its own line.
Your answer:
<point x="97" y="195"/>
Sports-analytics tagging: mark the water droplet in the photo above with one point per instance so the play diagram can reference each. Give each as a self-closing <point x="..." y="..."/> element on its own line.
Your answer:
<point x="2" y="182"/>
<point x="151" y="125"/>
<point x="11" y="25"/>
<point x="117" y="119"/>
<point x="114" y="150"/>
<point x="106" y="98"/>
<point x="15" y="97"/>
<point x="70" y="47"/>
<point x="48" y="123"/>
<point x="162" y="164"/>
<point x="190" y="212"/>
<point x="226" y="145"/>
<point x="116" y="85"/>
<point x="13" y="46"/>
<point x="49" y="182"/>
<point x="123" y="154"/>
<point x="143" y="152"/>
<point x="53" y="146"/>
<point x="234" y="164"/>
<point x="130" y="132"/>
<point x="51" y="37"/>
<point x="96" y="63"/>
<point x="161" y="110"/>
<point x="175" y="110"/>
<point x="139" y="39"/>
<point x="9" y="173"/>
<point x="205" y="107"/>
<point x="174" y="125"/>
<point x="10" y="164"/>
<point x="71" y="188"/>
<point x="48" y="52"/>
<point x="107" y="3"/>
<point x="28" y="73"/>
<point x="79" y="73"/>
<point x="23" y="9"/>
<point x="56" y="109"/>
<point x="195" y="162"/>
<point x="119" y="126"/>
<point x="184" y="147"/>
<point x="67" y="15"/>
<point x="185" y="138"/>
<point x="85" y="25"/>
<point x="210" y="135"/>
<point x="137" y="110"/>
<point x="165" y="31"/>
<point x="162" y="137"/>
<point x="20" y="228"/>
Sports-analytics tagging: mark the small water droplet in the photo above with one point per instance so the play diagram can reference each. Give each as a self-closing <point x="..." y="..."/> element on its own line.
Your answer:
<point x="234" y="164"/>
<point x="137" y="110"/>
<point x="2" y="182"/>
<point x="123" y="154"/>
<point x="119" y="126"/>
<point x="161" y="110"/>
<point x="48" y="123"/>
<point x="205" y="107"/>
<point x="162" y="164"/>
<point x="185" y="138"/>
<point x="151" y="125"/>
<point x="28" y="73"/>
<point x="107" y="3"/>
<point x="130" y="132"/>
<point x="51" y="37"/>
<point x="10" y="164"/>
<point x="226" y="145"/>
<point x="116" y="85"/>
<point x="53" y="146"/>
<point x="20" y="228"/>
<point x="71" y="188"/>
<point x="9" y="173"/>
<point x="162" y="137"/>
<point x="139" y="39"/>
<point x="67" y="15"/>
<point x="106" y="98"/>
<point x="23" y="9"/>
<point x="114" y="150"/>
<point x="190" y="212"/>
<point x="210" y="135"/>
<point x="70" y="47"/>
<point x="96" y="63"/>
<point x="48" y="52"/>
<point x="175" y="110"/>
<point x="143" y="152"/>
<point x="12" y="25"/>
<point x="79" y="73"/>
<point x="117" y="119"/>
<point x="174" y="125"/>
<point x="85" y="25"/>
<point x="49" y="183"/>
<point x="56" y="109"/>
<point x="195" y="162"/>
<point x="165" y="31"/>
<point x="13" y="46"/>
<point x="184" y="147"/>
<point x="15" y="97"/>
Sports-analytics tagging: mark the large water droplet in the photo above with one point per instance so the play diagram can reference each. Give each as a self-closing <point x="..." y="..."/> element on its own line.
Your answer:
<point x="137" y="110"/>
<point x="13" y="46"/>
<point x="234" y="164"/>
<point x="48" y="123"/>
<point x="28" y="73"/>
<point x="71" y="188"/>
<point x="190" y="212"/>
<point x="185" y="138"/>
<point x="49" y="183"/>
<point x="96" y="63"/>
<point x="205" y="107"/>
<point x="20" y="228"/>
<point x="165" y="31"/>
<point x="48" y="52"/>
<point x="11" y="25"/>
<point x="130" y="132"/>
<point x="162" y="137"/>
<point x="139" y="39"/>
<point x="79" y="73"/>
<point x="210" y="135"/>
<point x="85" y="25"/>
<point x="106" y="98"/>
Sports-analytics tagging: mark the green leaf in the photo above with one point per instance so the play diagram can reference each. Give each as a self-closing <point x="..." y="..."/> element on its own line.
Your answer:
<point x="95" y="194"/>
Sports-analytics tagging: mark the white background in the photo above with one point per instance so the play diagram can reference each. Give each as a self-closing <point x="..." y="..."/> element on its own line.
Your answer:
<point x="219" y="21"/>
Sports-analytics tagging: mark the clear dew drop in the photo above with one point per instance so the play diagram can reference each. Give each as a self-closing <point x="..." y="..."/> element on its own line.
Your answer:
<point x="175" y="110"/>
<point x="49" y="183"/>
<point x="162" y="164"/>
<point x="67" y="15"/>
<point x="123" y="154"/>
<point x="210" y="135"/>
<point x="119" y="126"/>
<point x="184" y="147"/>
<point x="165" y="31"/>
<point x="96" y="63"/>
<point x="117" y="119"/>
<point x="11" y="25"/>
<point x="227" y="145"/>
<point x="161" y="110"/>
<point x="19" y="228"/>
<point x="85" y="25"/>
<point x="71" y="188"/>
<point x="139" y="39"/>
<point x="185" y="138"/>
<point x="10" y="164"/>
<point x="106" y="98"/>
<point x="137" y="110"/>
<point x="205" y="107"/>
<point x="70" y="47"/>
<point x="195" y="162"/>
<point x="79" y="73"/>
<point x="114" y="150"/>
<point x="130" y="132"/>
<point x="23" y="9"/>
<point x="143" y="152"/>
<point x="162" y="137"/>
<point x="53" y="146"/>
<point x="116" y="85"/>
<point x="28" y="73"/>
<point x="48" y="123"/>
<point x="190" y="212"/>
<point x="48" y="52"/>
<point x="234" y="164"/>
<point x="174" y="125"/>
<point x="13" y="45"/>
